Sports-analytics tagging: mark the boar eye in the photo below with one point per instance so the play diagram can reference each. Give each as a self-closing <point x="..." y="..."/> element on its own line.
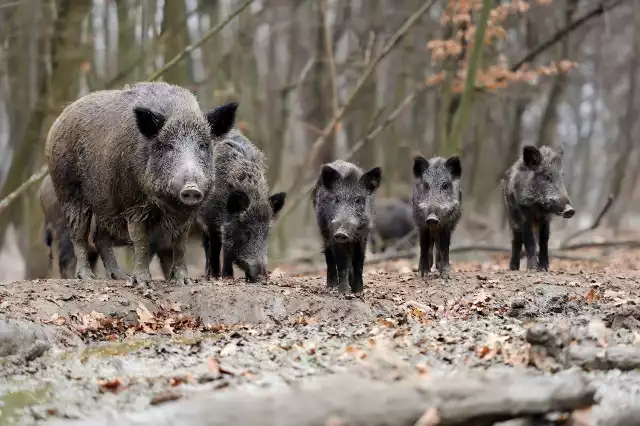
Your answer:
<point x="204" y="146"/>
<point x="446" y="186"/>
<point x="426" y="186"/>
<point x="336" y="199"/>
<point x="360" y="200"/>
<point x="169" y="147"/>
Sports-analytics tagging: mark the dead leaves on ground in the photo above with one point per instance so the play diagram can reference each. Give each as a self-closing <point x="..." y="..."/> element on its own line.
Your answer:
<point x="168" y="320"/>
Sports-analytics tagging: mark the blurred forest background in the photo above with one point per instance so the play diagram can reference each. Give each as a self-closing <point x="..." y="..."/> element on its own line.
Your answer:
<point x="370" y="80"/>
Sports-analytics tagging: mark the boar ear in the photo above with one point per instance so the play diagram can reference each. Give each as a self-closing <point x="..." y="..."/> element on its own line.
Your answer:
<point x="222" y="118"/>
<point x="531" y="156"/>
<point x="420" y="164"/>
<point x="149" y="123"/>
<point x="560" y="151"/>
<point x="277" y="202"/>
<point x="371" y="179"/>
<point x="454" y="166"/>
<point x="237" y="202"/>
<point x="329" y="176"/>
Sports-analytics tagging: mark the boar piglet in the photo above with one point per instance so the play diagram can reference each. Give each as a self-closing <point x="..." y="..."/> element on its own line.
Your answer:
<point x="437" y="207"/>
<point x="139" y="159"/>
<point x="534" y="191"/>
<point x="237" y="215"/>
<point x="394" y="221"/>
<point x="344" y="201"/>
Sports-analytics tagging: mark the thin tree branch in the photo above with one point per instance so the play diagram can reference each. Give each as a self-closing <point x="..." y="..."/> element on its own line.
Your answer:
<point x="33" y="179"/>
<point x="558" y="35"/>
<point x="594" y="225"/>
<point x="391" y="44"/>
<point x="157" y="74"/>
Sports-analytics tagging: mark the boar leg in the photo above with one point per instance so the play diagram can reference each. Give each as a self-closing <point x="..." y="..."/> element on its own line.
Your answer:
<point x="529" y="244"/>
<point x="179" y="273"/>
<point x="332" y="268"/>
<point x="444" y="240"/>
<point x="357" y="283"/>
<point x="80" y="232"/>
<point x="227" y="265"/>
<point x="343" y="263"/>
<point x="212" y="246"/>
<point x="516" y="248"/>
<point x="141" y="257"/>
<point x="93" y="260"/>
<point x="166" y="262"/>
<point x="543" y="237"/>
<point x="104" y="245"/>
<point x="426" y="251"/>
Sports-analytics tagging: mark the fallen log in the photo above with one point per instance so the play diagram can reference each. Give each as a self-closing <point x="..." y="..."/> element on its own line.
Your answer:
<point x="349" y="399"/>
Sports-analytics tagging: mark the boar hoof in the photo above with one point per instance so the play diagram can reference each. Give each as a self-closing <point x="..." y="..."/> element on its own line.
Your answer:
<point x="117" y="274"/>
<point x="532" y="264"/>
<point x="142" y="279"/>
<point x="179" y="277"/>
<point x="543" y="268"/>
<point x="513" y="266"/>
<point x="85" y="274"/>
<point x="343" y="288"/>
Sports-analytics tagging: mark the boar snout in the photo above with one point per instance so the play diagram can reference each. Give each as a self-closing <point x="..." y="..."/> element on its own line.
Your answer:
<point x="432" y="220"/>
<point x="191" y="195"/>
<point x="254" y="271"/>
<point x="568" y="211"/>
<point x="343" y="230"/>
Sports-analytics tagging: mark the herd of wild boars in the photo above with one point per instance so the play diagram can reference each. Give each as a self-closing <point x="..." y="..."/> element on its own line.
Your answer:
<point x="145" y="167"/>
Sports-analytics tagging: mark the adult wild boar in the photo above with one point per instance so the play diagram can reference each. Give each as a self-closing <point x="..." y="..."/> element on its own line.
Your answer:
<point x="344" y="200"/>
<point x="534" y="191"/>
<point x="437" y="208"/>
<point x="57" y="232"/>
<point x="238" y="213"/>
<point x="140" y="159"/>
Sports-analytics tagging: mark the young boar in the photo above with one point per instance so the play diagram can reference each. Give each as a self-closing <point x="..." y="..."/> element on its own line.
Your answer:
<point x="238" y="212"/>
<point x="57" y="230"/>
<point x="534" y="191"/>
<point x="437" y="207"/>
<point x="344" y="201"/>
<point x="394" y="221"/>
<point x="140" y="159"/>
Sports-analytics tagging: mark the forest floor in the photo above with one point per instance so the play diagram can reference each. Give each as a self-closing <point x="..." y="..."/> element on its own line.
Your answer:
<point x="78" y="350"/>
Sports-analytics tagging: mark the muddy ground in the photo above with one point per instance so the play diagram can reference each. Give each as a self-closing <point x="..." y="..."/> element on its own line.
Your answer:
<point x="72" y="350"/>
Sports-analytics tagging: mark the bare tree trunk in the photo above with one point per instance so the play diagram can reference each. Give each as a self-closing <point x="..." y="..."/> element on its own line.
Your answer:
<point x="174" y="13"/>
<point x="626" y="140"/>
<point x="547" y="132"/>
<point x="57" y="89"/>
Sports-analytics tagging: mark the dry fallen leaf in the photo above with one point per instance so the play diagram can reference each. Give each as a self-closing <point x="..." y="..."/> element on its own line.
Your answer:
<point x="144" y="315"/>
<point x="386" y="322"/>
<point x="431" y="417"/>
<point x="113" y="385"/>
<point x="55" y="320"/>
<point x="591" y="295"/>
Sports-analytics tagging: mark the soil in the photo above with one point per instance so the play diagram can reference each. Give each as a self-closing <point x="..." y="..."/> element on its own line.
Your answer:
<point x="77" y="350"/>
